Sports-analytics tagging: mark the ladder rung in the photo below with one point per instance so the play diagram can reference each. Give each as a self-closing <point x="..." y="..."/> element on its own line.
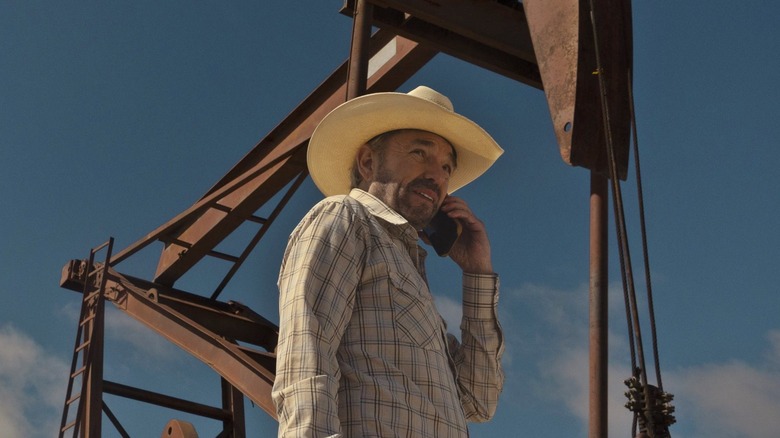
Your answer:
<point x="91" y="295"/>
<point x="87" y="319"/>
<point x="69" y="425"/>
<point x="72" y="399"/>
<point x="102" y="245"/>
<point x="94" y="272"/>
<point x="78" y="372"/>
<point x="82" y="346"/>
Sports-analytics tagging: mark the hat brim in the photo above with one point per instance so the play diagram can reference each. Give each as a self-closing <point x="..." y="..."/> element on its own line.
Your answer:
<point x="335" y="141"/>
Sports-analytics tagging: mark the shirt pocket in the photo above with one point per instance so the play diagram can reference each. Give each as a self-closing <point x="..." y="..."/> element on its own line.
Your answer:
<point x="414" y="312"/>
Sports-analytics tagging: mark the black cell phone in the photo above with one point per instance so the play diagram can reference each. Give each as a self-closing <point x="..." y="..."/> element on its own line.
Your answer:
<point x="442" y="232"/>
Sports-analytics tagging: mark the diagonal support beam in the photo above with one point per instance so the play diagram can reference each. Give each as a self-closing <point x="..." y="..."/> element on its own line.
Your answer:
<point x="207" y="329"/>
<point x="282" y="152"/>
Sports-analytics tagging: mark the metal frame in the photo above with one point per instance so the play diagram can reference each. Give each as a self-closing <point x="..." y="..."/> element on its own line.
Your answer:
<point x="208" y="329"/>
<point x="500" y="38"/>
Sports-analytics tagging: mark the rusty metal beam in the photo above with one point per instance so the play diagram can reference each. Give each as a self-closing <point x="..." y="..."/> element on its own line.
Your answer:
<point x="92" y="385"/>
<point x="487" y="34"/>
<point x="91" y="405"/>
<point x="563" y="36"/>
<point x="248" y="370"/>
<point x="201" y="231"/>
<point x="357" y="78"/>
<point x="302" y="114"/>
<point x="189" y="245"/>
<point x="233" y="401"/>
<point x="486" y="22"/>
<point x="230" y="319"/>
<point x="499" y="38"/>
<point x="166" y="401"/>
<point x="167" y="232"/>
<point x="598" y="311"/>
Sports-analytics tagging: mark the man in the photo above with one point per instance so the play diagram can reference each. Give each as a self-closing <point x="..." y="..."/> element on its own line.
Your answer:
<point x="362" y="349"/>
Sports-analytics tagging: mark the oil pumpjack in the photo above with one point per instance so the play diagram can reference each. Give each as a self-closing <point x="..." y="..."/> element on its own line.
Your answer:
<point x="579" y="52"/>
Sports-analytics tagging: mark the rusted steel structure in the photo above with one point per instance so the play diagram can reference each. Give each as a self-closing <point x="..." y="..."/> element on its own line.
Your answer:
<point x="577" y="51"/>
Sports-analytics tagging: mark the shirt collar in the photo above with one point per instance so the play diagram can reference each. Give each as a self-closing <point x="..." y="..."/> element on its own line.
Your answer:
<point x="377" y="207"/>
<point x="399" y="226"/>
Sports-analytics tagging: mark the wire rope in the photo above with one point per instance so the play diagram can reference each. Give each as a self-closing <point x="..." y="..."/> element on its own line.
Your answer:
<point x="643" y="232"/>
<point x="632" y="311"/>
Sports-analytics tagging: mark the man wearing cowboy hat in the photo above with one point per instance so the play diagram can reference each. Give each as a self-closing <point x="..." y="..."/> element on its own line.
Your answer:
<point x="362" y="349"/>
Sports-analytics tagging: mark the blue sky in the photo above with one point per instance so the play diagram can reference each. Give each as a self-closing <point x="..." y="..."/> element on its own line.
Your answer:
<point x="116" y="116"/>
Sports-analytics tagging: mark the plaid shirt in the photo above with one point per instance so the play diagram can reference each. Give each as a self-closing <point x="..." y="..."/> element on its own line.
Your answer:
<point x="362" y="349"/>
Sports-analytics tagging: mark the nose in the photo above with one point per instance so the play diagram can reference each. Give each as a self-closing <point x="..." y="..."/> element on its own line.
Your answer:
<point x="436" y="171"/>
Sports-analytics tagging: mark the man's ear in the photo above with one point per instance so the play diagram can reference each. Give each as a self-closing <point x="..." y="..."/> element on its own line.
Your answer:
<point x="365" y="162"/>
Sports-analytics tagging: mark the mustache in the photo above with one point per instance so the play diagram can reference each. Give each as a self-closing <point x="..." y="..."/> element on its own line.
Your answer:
<point x="425" y="184"/>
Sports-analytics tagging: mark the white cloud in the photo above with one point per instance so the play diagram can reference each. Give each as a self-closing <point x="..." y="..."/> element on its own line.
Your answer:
<point x="731" y="399"/>
<point x="33" y="382"/>
<point x="148" y="345"/>
<point x="773" y="355"/>
<point x="734" y="399"/>
<point x="451" y="311"/>
<point x="566" y="380"/>
<point x="32" y="386"/>
<point x="122" y="331"/>
<point x="560" y="320"/>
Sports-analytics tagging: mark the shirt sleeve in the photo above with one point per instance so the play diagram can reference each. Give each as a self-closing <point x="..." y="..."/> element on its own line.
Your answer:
<point x="478" y="357"/>
<point x="317" y="284"/>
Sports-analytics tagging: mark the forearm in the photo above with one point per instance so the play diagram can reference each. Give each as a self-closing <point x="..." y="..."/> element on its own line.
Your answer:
<point x="478" y="357"/>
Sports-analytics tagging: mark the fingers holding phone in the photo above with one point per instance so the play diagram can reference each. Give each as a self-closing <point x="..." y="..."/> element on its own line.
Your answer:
<point x="470" y="248"/>
<point x="442" y="232"/>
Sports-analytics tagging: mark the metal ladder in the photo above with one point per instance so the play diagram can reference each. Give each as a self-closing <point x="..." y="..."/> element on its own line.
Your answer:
<point x="87" y="364"/>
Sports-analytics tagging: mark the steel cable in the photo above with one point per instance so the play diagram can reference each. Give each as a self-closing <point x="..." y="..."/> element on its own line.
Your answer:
<point x="632" y="311"/>
<point x="643" y="232"/>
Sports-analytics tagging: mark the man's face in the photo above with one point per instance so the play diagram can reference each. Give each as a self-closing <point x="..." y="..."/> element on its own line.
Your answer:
<point x="411" y="174"/>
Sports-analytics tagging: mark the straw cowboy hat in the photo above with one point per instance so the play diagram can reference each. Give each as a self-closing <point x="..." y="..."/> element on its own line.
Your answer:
<point x="340" y="134"/>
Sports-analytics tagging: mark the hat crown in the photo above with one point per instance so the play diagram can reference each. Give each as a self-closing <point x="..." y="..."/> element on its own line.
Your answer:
<point x="433" y="96"/>
<point x="341" y="133"/>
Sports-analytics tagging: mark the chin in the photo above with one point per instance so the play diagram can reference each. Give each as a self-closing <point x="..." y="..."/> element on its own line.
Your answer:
<point x="418" y="215"/>
<point x="420" y="221"/>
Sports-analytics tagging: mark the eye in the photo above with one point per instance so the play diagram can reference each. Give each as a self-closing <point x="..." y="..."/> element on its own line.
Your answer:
<point x="418" y="152"/>
<point x="447" y="168"/>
